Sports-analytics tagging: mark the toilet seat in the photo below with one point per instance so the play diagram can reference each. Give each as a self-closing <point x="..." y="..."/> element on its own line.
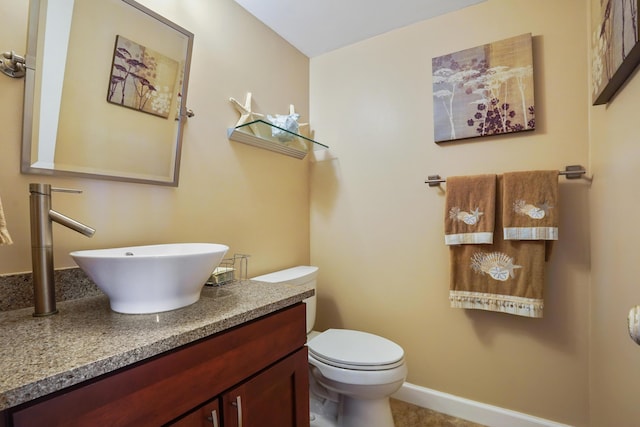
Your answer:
<point x="355" y="350"/>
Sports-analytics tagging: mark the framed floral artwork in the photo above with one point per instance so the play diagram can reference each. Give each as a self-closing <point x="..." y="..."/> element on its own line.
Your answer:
<point x="142" y="79"/>
<point x="615" y="51"/>
<point x="485" y="90"/>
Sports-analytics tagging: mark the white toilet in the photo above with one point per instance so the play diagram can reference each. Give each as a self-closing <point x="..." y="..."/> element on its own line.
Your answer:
<point x="352" y="373"/>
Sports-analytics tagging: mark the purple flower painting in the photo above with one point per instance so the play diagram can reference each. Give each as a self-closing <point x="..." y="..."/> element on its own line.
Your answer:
<point x="485" y="90"/>
<point x="615" y="51"/>
<point x="142" y="79"/>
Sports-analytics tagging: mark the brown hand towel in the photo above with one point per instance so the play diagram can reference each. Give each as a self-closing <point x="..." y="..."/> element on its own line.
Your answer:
<point x="506" y="276"/>
<point x="530" y="208"/>
<point x="5" y="238"/>
<point x="470" y="209"/>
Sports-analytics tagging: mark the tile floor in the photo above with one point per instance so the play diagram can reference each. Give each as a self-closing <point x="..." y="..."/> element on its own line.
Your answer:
<point x="408" y="415"/>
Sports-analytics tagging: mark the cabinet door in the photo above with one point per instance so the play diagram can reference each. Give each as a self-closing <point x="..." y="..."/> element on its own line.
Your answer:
<point x="276" y="397"/>
<point x="208" y="415"/>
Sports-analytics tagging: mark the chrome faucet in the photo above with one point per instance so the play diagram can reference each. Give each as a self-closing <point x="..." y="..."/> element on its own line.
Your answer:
<point x="42" y="216"/>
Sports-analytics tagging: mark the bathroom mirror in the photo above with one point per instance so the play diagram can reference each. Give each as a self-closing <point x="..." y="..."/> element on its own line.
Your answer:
<point x="105" y="91"/>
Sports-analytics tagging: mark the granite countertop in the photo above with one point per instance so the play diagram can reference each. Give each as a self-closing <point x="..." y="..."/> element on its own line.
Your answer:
<point x="40" y="355"/>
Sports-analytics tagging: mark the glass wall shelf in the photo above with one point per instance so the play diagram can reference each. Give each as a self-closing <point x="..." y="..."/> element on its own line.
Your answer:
<point x="270" y="137"/>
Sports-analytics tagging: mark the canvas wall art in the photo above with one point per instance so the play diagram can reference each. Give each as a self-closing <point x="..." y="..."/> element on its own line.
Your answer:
<point x="485" y="90"/>
<point x="142" y="79"/>
<point x="615" y="50"/>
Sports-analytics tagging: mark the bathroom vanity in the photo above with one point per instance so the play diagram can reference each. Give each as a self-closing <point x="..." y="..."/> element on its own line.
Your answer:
<point x="235" y="358"/>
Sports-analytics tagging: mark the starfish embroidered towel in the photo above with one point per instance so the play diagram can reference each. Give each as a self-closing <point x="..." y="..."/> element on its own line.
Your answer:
<point x="507" y="276"/>
<point x="470" y="209"/>
<point x="5" y="238"/>
<point x="530" y="208"/>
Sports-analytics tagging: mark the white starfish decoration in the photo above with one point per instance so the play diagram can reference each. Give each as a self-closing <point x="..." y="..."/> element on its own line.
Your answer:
<point x="246" y="115"/>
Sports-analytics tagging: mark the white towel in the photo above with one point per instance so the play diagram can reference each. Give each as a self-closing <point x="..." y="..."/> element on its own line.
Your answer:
<point x="5" y="238"/>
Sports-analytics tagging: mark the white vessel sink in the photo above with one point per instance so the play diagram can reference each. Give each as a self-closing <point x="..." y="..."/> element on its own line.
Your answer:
<point x="154" y="278"/>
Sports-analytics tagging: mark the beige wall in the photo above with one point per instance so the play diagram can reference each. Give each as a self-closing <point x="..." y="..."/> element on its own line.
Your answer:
<point x="377" y="229"/>
<point x="615" y="367"/>
<point x="253" y="200"/>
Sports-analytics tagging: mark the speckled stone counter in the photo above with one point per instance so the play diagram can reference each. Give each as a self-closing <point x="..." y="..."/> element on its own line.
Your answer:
<point x="16" y="290"/>
<point x="40" y="355"/>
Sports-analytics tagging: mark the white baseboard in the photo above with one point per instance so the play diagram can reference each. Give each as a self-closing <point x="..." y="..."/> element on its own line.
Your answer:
<point x="470" y="410"/>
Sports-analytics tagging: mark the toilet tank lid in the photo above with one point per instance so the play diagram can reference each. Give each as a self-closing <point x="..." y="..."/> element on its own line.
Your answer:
<point x="296" y="275"/>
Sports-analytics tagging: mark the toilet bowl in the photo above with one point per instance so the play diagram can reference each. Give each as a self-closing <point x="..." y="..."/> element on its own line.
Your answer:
<point x="352" y="373"/>
<point x="364" y="369"/>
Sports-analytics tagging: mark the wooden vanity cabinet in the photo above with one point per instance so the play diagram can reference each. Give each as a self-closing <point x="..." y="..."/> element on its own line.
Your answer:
<point x="267" y="400"/>
<point x="252" y="375"/>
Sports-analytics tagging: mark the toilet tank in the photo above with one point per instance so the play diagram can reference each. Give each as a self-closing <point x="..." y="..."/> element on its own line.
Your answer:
<point x="301" y="275"/>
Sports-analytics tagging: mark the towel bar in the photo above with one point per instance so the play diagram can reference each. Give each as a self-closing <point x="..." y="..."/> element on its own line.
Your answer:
<point x="571" y="172"/>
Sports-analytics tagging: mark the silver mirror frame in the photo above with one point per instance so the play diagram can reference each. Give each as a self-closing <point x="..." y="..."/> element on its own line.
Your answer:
<point x="35" y="10"/>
